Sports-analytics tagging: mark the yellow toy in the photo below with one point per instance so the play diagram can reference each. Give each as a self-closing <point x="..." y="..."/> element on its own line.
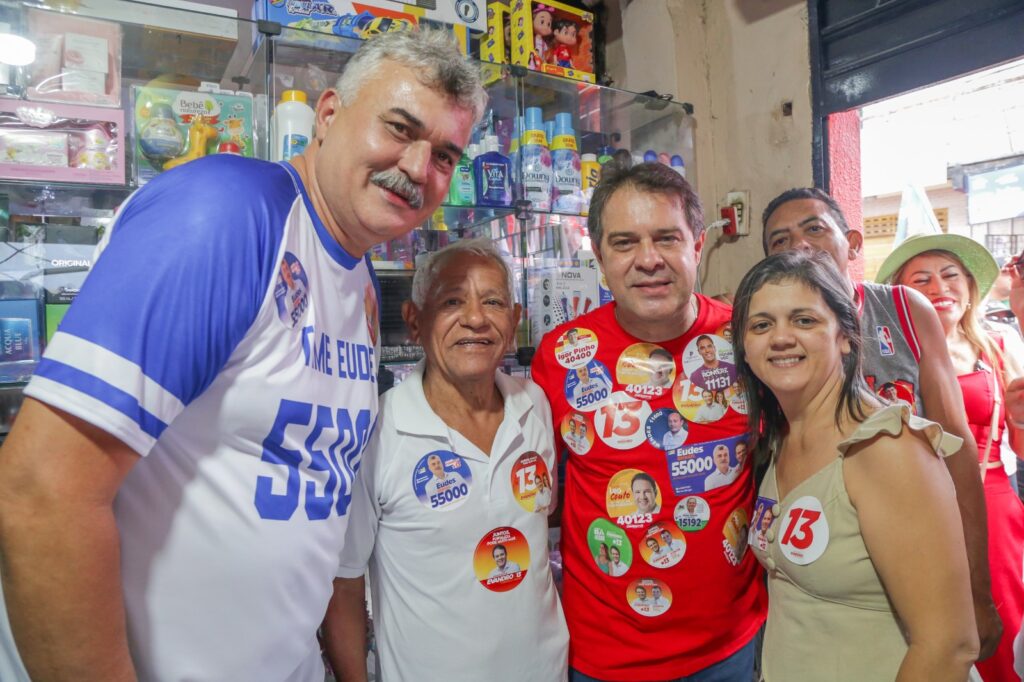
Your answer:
<point x="200" y="135"/>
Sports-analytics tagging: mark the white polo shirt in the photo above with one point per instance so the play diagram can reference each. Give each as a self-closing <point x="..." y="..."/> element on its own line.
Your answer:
<point x="441" y="611"/>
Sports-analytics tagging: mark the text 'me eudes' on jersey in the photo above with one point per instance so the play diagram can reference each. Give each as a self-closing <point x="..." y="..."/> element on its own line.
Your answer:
<point x="226" y="337"/>
<point x="715" y="607"/>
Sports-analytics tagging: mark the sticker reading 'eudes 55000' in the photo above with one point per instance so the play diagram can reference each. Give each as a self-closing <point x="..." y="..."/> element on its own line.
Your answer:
<point x="442" y="480"/>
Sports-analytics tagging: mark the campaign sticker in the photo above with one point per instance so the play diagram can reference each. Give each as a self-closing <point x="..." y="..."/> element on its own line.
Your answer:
<point x="735" y="534"/>
<point x="666" y="429"/>
<point x="737" y="396"/>
<point x="803" y="533"/>
<point x="764" y="516"/>
<point x="576" y="433"/>
<point x="699" y="405"/>
<point x="620" y="421"/>
<point x="708" y="363"/>
<point x="531" y="484"/>
<point x="646" y="371"/>
<point x="692" y="513"/>
<point x="576" y="347"/>
<point x="649" y="597"/>
<point x="701" y="467"/>
<point x="588" y="386"/>
<point x="662" y="545"/>
<point x="291" y="290"/>
<point x="501" y="559"/>
<point x="610" y="548"/>
<point x="632" y="498"/>
<point x="442" y="480"/>
<point x="725" y="331"/>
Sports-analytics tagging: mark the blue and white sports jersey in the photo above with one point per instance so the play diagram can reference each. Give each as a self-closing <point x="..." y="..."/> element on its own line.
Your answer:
<point x="229" y="339"/>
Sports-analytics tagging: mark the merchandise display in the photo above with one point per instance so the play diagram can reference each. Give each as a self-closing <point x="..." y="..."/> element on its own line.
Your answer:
<point x="61" y="142"/>
<point x="172" y="126"/>
<point x="78" y="60"/>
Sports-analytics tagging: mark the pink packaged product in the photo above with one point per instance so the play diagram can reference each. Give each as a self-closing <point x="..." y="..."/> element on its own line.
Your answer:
<point x="78" y="60"/>
<point x="61" y="143"/>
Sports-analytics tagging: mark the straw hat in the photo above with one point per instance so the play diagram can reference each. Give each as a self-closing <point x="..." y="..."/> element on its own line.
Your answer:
<point x="975" y="258"/>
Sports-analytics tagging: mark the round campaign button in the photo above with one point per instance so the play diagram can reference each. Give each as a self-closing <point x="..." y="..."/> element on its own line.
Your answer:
<point x="692" y="513"/>
<point x="575" y="347"/>
<point x="725" y="332"/>
<point x="632" y="498"/>
<point x="291" y="290"/>
<point x="576" y="432"/>
<point x="804" y="531"/>
<point x="588" y="386"/>
<point x="699" y="405"/>
<point x="649" y="597"/>
<point x="442" y="480"/>
<point x="620" y="421"/>
<point x="735" y="534"/>
<point x="666" y="429"/>
<point x="531" y="483"/>
<point x="501" y="559"/>
<point x="737" y="396"/>
<point x="610" y="548"/>
<point x="646" y="370"/>
<point x="708" y="362"/>
<point x="662" y="545"/>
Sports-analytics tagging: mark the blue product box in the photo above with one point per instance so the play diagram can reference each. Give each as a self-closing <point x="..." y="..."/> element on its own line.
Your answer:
<point x="350" y="19"/>
<point x="19" y="339"/>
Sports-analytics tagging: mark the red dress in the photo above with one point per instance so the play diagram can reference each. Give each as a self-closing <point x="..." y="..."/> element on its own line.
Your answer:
<point x="1005" y="523"/>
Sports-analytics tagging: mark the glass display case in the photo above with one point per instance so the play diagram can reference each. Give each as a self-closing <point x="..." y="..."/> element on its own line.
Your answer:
<point x="119" y="91"/>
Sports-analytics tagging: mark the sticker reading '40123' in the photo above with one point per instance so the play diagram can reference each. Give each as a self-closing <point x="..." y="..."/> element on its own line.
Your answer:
<point x="442" y="480"/>
<point x="646" y="370"/>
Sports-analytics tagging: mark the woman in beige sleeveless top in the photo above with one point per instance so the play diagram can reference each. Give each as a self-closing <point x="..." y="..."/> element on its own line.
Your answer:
<point x="856" y="522"/>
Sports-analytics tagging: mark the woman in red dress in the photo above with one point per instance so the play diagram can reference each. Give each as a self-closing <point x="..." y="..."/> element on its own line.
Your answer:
<point x="955" y="273"/>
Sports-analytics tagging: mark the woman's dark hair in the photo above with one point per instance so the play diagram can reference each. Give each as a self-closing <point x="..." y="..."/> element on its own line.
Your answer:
<point x="819" y="273"/>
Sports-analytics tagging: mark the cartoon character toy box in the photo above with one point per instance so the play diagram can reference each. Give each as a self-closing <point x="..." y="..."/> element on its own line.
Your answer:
<point x="172" y="127"/>
<point x="553" y="38"/>
<point x="351" y="19"/>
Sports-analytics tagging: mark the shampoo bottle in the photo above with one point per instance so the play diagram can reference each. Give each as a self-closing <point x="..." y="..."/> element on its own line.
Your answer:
<point x="565" y="167"/>
<point x="492" y="172"/>
<point x="535" y="159"/>
<point x="462" y="191"/>
<point x="291" y="127"/>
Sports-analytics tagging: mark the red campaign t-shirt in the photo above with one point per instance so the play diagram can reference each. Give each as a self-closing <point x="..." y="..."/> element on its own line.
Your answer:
<point x="657" y="581"/>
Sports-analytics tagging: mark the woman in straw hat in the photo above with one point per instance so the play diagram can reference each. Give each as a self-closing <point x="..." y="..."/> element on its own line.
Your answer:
<point x="955" y="273"/>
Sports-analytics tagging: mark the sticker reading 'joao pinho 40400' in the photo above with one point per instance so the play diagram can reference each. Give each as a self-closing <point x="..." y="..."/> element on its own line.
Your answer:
<point x="442" y="480"/>
<point x="501" y="559"/>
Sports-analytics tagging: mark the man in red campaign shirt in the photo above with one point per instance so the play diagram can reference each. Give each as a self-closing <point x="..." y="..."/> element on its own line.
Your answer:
<point x="690" y="608"/>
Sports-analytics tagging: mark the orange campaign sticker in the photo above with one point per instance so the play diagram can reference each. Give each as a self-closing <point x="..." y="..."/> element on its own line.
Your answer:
<point x="632" y="498"/>
<point x="576" y="347"/>
<point x="531" y="483"/>
<point x="501" y="559"/>
<point x="576" y="432"/>
<point x="649" y="597"/>
<point x="646" y="370"/>
<point x="735" y="535"/>
<point x="662" y="545"/>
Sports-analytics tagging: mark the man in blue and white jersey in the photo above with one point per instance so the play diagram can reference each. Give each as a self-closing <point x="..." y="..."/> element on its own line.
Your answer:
<point x="174" y="493"/>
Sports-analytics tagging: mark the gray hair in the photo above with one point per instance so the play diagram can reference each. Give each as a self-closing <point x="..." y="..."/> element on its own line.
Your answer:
<point x="426" y="274"/>
<point x="432" y="54"/>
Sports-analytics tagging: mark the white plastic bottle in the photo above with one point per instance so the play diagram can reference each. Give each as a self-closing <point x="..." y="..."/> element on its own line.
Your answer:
<point x="291" y="128"/>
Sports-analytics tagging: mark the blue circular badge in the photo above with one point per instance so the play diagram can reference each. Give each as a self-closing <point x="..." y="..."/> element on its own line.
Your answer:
<point x="588" y="386"/>
<point x="442" y="480"/>
<point x="666" y="429"/>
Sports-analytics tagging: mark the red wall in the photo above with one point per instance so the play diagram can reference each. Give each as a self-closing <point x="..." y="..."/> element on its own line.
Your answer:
<point x="844" y="176"/>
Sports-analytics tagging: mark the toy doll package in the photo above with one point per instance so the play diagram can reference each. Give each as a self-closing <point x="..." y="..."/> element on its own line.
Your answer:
<point x="553" y="38"/>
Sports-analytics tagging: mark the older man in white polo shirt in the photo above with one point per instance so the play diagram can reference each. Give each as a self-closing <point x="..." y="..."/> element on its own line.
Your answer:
<point x="446" y="562"/>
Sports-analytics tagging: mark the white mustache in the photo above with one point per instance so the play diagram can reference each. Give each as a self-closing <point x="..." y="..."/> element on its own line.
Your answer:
<point x="399" y="183"/>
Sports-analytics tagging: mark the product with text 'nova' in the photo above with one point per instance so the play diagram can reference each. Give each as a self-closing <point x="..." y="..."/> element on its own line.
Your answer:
<point x="291" y="127"/>
<point x="535" y="159"/>
<point x="492" y="172"/>
<point x="565" y="167"/>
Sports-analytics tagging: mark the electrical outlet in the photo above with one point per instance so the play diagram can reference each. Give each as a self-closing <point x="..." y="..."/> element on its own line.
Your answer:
<point x="740" y="200"/>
